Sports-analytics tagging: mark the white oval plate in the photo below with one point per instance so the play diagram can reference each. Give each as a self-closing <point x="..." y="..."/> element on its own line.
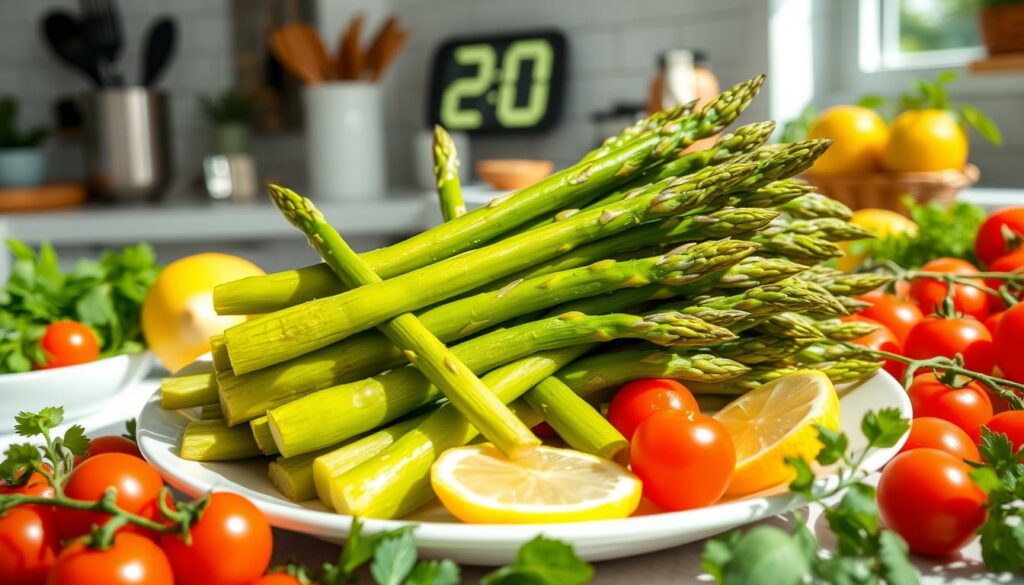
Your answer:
<point x="439" y="535"/>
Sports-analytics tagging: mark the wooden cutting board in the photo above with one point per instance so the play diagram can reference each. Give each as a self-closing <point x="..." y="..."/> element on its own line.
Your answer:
<point x="55" y="196"/>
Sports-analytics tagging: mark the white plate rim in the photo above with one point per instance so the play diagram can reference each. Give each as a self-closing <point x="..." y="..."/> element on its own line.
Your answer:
<point x="443" y="536"/>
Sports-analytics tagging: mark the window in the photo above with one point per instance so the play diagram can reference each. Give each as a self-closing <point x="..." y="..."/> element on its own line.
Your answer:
<point x="907" y="34"/>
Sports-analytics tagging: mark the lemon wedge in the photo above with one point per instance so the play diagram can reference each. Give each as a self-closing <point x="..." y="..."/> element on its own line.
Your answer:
<point x="776" y="421"/>
<point x="478" y="484"/>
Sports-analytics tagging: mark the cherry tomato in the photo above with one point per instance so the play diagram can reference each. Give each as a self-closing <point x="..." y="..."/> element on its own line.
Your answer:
<point x="935" y="336"/>
<point x="928" y="497"/>
<point x="685" y="460"/>
<point x="28" y="545"/>
<point x="992" y="322"/>
<point x="881" y="339"/>
<point x="928" y="432"/>
<point x="138" y="485"/>
<point x="68" y="343"/>
<point x="641" y="398"/>
<point x="1011" y="424"/>
<point x="928" y="293"/>
<point x="1012" y="262"/>
<point x="231" y="544"/>
<point x="990" y="243"/>
<point x="1008" y="339"/>
<point x="35" y="486"/>
<point x="131" y="559"/>
<point x="277" y="579"/>
<point x="113" y="444"/>
<point x="967" y="407"/>
<point x="899" y="316"/>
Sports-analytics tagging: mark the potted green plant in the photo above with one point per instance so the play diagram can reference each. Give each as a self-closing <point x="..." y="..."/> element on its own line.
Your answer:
<point x="22" y="163"/>
<point x="230" y="116"/>
<point x="1002" y="26"/>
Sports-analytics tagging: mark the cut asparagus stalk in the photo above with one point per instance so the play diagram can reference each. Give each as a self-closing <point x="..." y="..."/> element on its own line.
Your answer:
<point x="195" y="385"/>
<point x="430" y="355"/>
<point x="250" y="395"/>
<point x="397" y="481"/>
<point x="576" y="421"/>
<point x="336" y="461"/>
<point x="260" y="429"/>
<point x="446" y="173"/>
<point x="580" y="182"/>
<point x="329" y="416"/>
<point x="289" y="333"/>
<point x="292" y="477"/>
<point x="211" y="412"/>
<point x="212" y="440"/>
<point x="219" y="353"/>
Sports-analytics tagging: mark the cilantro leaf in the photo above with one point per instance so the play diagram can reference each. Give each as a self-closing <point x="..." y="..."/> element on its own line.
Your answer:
<point x="22" y="456"/>
<point x="543" y="561"/>
<point x="358" y="551"/>
<point x="394" y="559"/>
<point x="31" y="424"/>
<point x="131" y="430"/>
<point x="443" y="572"/>
<point x="718" y="551"/>
<point x="884" y="428"/>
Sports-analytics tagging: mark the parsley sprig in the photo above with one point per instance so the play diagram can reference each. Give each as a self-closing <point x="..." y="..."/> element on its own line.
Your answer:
<point x="1001" y="477"/>
<point x="865" y="552"/>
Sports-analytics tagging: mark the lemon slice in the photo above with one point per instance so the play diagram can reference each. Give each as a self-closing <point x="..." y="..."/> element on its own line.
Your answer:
<point x="478" y="484"/>
<point x="776" y="421"/>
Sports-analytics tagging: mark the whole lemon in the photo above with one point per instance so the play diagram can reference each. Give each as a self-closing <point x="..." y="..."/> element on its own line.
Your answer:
<point x="177" y="315"/>
<point x="925" y="140"/>
<point x="858" y="137"/>
<point x="881" y="223"/>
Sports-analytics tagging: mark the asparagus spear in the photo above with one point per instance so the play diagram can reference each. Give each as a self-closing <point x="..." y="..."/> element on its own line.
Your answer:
<point x="638" y="129"/>
<point x="446" y="171"/>
<point x="826" y="228"/>
<point x="774" y="194"/>
<point x="790" y="325"/>
<point x="841" y="284"/>
<point x="844" y="331"/>
<point x="798" y="247"/>
<point x="844" y="371"/>
<point x="328" y="416"/>
<point x="719" y="224"/>
<point x="250" y="395"/>
<point x="577" y="183"/>
<point x="762" y="348"/>
<point x="397" y="481"/>
<point x="813" y="206"/>
<point x="576" y="421"/>
<point x="291" y="332"/>
<point x="425" y="351"/>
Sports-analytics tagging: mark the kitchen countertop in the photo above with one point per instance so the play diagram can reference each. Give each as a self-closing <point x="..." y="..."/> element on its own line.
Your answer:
<point x="672" y="566"/>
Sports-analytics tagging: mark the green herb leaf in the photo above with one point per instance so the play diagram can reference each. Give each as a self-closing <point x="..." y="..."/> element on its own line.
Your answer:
<point x="804" y="480"/>
<point x="443" y="572"/>
<point x="75" y="440"/>
<point x="854" y="521"/>
<point x="718" y="552"/>
<point x="30" y="424"/>
<point x="394" y="559"/>
<point x="766" y="550"/>
<point x="884" y="428"/>
<point x="543" y="561"/>
<point x="23" y="456"/>
<point x="981" y="123"/>
<point x="894" y="566"/>
<point x="834" y="445"/>
<point x="131" y="430"/>
<point x="941" y="232"/>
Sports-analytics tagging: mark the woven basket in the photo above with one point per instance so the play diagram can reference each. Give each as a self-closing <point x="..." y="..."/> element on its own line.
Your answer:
<point x="884" y="190"/>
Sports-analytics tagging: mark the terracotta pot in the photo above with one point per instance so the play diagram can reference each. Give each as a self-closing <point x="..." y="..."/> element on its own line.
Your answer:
<point x="1002" y="28"/>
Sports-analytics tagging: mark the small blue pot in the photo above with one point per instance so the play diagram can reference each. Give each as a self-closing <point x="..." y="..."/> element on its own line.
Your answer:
<point x="21" y="167"/>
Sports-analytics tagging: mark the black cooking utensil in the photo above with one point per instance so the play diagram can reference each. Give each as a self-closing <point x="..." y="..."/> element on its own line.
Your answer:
<point x="158" y="49"/>
<point x="101" y="22"/>
<point x="63" y="33"/>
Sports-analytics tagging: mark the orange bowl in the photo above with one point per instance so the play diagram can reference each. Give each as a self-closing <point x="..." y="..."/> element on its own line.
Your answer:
<point x="510" y="174"/>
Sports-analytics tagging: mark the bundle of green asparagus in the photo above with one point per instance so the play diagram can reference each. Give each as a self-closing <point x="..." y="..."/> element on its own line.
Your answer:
<point x="645" y="259"/>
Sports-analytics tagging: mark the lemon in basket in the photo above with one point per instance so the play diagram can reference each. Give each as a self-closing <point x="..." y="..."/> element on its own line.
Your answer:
<point x="775" y="421"/>
<point x="858" y="138"/>
<point x="478" y="484"/>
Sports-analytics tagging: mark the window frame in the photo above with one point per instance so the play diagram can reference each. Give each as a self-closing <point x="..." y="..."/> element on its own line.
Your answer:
<point x="878" y="28"/>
